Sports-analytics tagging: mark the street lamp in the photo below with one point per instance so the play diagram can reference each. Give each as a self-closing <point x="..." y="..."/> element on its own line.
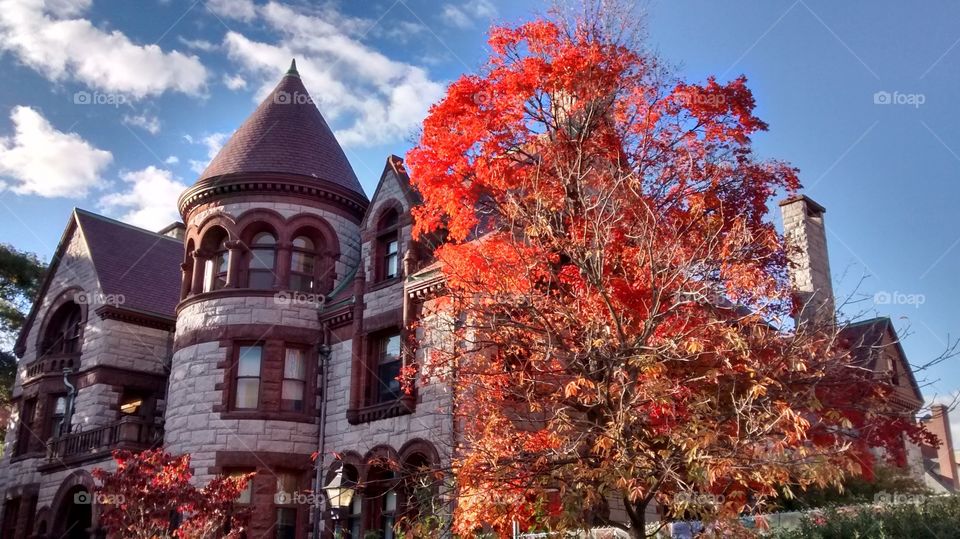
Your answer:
<point x="340" y="494"/>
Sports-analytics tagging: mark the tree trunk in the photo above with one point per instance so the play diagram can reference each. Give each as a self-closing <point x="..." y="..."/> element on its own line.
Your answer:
<point x="638" y="518"/>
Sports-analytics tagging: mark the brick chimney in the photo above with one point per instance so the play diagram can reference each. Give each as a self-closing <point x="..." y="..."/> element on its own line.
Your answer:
<point x="806" y="238"/>
<point x="939" y="423"/>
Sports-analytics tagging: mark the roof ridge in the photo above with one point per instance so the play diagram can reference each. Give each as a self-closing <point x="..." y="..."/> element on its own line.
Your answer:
<point x="121" y="223"/>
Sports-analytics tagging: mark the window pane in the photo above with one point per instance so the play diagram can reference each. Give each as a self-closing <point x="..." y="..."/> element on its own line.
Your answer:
<point x="392" y="247"/>
<point x="303" y="242"/>
<point x="390" y="502"/>
<point x="246" y="495"/>
<point x="295" y="364"/>
<point x="286" y="482"/>
<point x="222" y="260"/>
<point x="292" y="395"/>
<point x="249" y="361"/>
<point x="261" y="280"/>
<point x="390" y="348"/>
<point x="60" y="407"/>
<point x="208" y="276"/>
<point x="391" y="270"/>
<point x="303" y="283"/>
<point x="286" y="523"/>
<point x="264" y="238"/>
<point x="387" y="375"/>
<point x="248" y="392"/>
<point x="302" y="262"/>
<point x="261" y="258"/>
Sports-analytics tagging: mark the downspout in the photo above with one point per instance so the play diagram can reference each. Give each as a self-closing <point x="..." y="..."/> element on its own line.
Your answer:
<point x="68" y="412"/>
<point x="323" y="349"/>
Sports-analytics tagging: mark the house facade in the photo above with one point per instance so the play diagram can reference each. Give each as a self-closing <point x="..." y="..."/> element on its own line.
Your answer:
<point x="214" y="337"/>
<point x="269" y="327"/>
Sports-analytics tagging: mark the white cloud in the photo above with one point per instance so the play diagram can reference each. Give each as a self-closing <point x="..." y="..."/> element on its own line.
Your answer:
<point x="463" y="15"/>
<point x="198" y="44"/>
<point x="235" y="82"/>
<point x="369" y="97"/>
<point x="151" y="198"/>
<point x="40" y="160"/>
<point x="172" y="160"/>
<point x="213" y="142"/>
<point x="241" y="10"/>
<point x="145" y="121"/>
<point x="50" y="38"/>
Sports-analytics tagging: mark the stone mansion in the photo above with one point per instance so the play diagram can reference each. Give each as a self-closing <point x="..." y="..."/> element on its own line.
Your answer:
<point x="265" y="328"/>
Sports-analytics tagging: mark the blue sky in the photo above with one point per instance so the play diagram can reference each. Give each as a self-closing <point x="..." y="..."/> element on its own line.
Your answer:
<point x="115" y="106"/>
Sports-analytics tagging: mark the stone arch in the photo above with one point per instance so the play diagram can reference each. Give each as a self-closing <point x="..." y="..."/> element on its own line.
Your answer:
<point x="225" y="220"/>
<point x="64" y="501"/>
<point x="41" y="528"/>
<point x="253" y="221"/>
<point x="326" y="247"/>
<point x="75" y="295"/>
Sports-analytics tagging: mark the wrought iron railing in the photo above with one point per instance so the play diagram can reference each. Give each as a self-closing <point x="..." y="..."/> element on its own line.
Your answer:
<point x="129" y="433"/>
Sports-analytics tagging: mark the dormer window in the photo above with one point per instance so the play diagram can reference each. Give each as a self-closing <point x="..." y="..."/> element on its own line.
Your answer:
<point x="388" y="247"/>
<point x="263" y="258"/>
<point x="64" y="330"/>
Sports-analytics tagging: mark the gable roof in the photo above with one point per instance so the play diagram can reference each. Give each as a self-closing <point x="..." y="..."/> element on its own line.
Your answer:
<point x="286" y="134"/>
<point x="866" y="339"/>
<point x="140" y="265"/>
<point x="394" y="166"/>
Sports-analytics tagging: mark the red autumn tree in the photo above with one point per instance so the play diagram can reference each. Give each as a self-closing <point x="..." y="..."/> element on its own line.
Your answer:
<point x="151" y="488"/>
<point x="622" y="309"/>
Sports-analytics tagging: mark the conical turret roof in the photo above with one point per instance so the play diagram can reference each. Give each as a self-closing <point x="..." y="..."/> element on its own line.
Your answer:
<point x="286" y="134"/>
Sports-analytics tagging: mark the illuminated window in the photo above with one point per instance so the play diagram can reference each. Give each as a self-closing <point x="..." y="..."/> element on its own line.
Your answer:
<point x="215" y="269"/>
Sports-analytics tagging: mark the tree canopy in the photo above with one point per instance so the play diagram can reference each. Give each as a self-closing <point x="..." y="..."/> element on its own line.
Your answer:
<point x="624" y="314"/>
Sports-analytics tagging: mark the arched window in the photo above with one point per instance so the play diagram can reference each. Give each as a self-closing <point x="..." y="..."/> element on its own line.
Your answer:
<point x="303" y="265"/>
<point x="388" y="246"/>
<point x="215" y="268"/>
<point x="382" y="500"/>
<point x="263" y="261"/>
<point x="62" y="334"/>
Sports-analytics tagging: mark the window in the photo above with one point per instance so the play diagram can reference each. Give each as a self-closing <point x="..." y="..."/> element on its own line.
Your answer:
<point x="246" y="495"/>
<point x="388" y="246"/>
<point x="388" y="367"/>
<point x="294" y="379"/>
<point x="303" y="265"/>
<point x="286" y="523"/>
<point x="215" y="269"/>
<point x="248" y="377"/>
<point x="57" y="415"/>
<point x="263" y="256"/>
<point x="25" y="428"/>
<point x="11" y="513"/>
<point x="130" y="404"/>
<point x="355" y="517"/>
<point x="388" y="514"/>
<point x="63" y="331"/>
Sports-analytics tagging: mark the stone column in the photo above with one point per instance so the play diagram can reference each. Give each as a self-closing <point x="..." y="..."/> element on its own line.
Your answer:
<point x="199" y="264"/>
<point x="186" y="279"/>
<point x="236" y="249"/>
<point x="282" y="265"/>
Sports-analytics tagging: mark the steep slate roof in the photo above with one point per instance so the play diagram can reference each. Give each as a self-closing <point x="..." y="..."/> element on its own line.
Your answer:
<point x="142" y="266"/>
<point x="286" y="134"/>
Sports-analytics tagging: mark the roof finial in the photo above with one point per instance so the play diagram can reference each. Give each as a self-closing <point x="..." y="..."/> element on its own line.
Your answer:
<point x="293" y="68"/>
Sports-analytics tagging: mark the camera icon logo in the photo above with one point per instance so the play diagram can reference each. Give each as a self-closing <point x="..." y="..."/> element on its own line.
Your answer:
<point x="882" y="98"/>
<point x="82" y="498"/>
<point x="281" y="98"/>
<point x="282" y="498"/>
<point x="81" y="98"/>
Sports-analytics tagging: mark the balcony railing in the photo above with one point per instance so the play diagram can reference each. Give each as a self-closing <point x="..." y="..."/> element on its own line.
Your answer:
<point x="133" y="433"/>
<point x="52" y="364"/>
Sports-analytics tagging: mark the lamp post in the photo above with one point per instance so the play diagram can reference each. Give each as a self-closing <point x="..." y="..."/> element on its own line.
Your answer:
<point x="340" y="492"/>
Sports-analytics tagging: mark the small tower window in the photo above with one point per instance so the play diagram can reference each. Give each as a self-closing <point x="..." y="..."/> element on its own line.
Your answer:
<point x="388" y="367"/>
<point x="294" y="384"/>
<point x="248" y="377"/>
<point x="263" y="256"/>
<point x="215" y="270"/>
<point x="388" y="247"/>
<point x="303" y="265"/>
